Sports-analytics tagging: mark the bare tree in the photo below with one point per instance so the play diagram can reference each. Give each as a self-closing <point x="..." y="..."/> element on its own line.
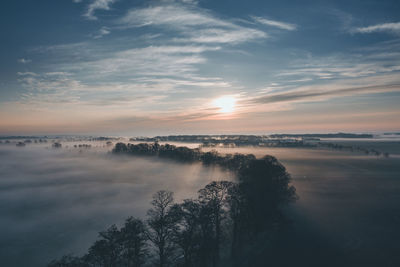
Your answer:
<point x="133" y="239"/>
<point x="214" y="195"/>
<point x="106" y="251"/>
<point x="187" y="235"/>
<point x="162" y="223"/>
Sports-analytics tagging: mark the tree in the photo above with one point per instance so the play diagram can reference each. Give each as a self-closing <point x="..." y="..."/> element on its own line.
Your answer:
<point x="237" y="212"/>
<point x="120" y="147"/>
<point x="133" y="240"/>
<point x="187" y="234"/>
<point x="265" y="184"/>
<point x="67" y="261"/>
<point x="106" y="251"/>
<point x="162" y="224"/>
<point x="214" y="196"/>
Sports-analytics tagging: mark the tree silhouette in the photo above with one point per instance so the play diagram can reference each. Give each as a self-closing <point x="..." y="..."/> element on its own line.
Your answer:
<point x="106" y="251"/>
<point x="214" y="196"/>
<point x="187" y="235"/>
<point x="133" y="240"/>
<point x="68" y="261"/>
<point x="265" y="185"/>
<point x="237" y="213"/>
<point x="162" y="224"/>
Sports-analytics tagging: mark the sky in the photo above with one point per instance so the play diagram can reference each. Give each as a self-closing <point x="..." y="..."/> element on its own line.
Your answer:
<point x="124" y="67"/>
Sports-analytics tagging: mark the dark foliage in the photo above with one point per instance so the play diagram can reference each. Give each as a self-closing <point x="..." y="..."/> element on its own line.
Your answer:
<point x="162" y="224"/>
<point x="229" y="224"/>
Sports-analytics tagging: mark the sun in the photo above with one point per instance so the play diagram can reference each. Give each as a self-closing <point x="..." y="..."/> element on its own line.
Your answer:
<point x="226" y="104"/>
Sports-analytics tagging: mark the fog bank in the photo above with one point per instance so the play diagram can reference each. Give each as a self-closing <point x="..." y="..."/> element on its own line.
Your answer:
<point x="55" y="201"/>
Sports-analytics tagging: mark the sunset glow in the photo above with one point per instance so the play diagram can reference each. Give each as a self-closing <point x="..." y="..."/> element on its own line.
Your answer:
<point x="226" y="104"/>
<point x="128" y="68"/>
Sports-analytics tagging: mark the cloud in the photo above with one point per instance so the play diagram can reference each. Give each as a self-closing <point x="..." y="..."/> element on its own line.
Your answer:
<point x="224" y="36"/>
<point x="26" y="73"/>
<point x="104" y="64"/>
<point x="321" y="93"/>
<point x="145" y="94"/>
<point x="393" y="28"/>
<point x="371" y="70"/>
<point x="95" y="5"/>
<point x="275" y="23"/>
<point x="143" y="80"/>
<point x="102" y="32"/>
<point x="173" y="15"/>
<point x="373" y="60"/>
<point x="193" y="24"/>
<point x="161" y="66"/>
<point x="24" y="60"/>
<point x="148" y="61"/>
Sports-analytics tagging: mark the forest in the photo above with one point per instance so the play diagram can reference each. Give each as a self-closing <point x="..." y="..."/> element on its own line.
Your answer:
<point x="228" y="224"/>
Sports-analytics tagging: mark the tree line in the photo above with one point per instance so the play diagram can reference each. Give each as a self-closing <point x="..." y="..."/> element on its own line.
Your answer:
<point x="228" y="224"/>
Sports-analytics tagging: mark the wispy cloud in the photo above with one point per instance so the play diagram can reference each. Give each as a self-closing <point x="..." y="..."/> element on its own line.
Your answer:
<point x="373" y="60"/>
<point x="62" y="90"/>
<point x="164" y="61"/>
<point x="192" y="23"/>
<point x="275" y="23"/>
<point x="147" y="83"/>
<point x="24" y="60"/>
<point x="102" y="32"/>
<point x="96" y="5"/>
<point x="222" y="36"/>
<point x="319" y="93"/>
<point x="91" y="73"/>
<point x="148" y="61"/>
<point x="393" y="28"/>
<point x="26" y="73"/>
<point x="171" y="15"/>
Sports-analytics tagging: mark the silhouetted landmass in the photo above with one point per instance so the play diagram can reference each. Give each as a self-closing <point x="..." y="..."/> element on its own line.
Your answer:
<point x="244" y="138"/>
<point x="275" y="140"/>
<point x="102" y="138"/>
<point x="83" y="146"/>
<point x="368" y="151"/>
<point x="330" y="135"/>
<point x="57" y="145"/>
<point x="37" y="139"/>
<point x="198" y="138"/>
<point x="22" y="137"/>
<point x="391" y="134"/>
<point x="228" y="224"/>
<point x="227" y="140"/>
<point x="265" y="143"/>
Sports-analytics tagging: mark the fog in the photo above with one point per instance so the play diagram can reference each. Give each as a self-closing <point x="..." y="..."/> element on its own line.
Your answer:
<point x="55" y="201"/>
<point x="348" y="212"/>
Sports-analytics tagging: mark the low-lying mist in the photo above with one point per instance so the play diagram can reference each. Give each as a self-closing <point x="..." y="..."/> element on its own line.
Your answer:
<point x="348" y="209"/>
<point x="55" y="201"/>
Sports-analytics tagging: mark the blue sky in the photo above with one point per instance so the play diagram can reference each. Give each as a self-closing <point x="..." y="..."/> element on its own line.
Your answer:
<point x="157" y="67"/>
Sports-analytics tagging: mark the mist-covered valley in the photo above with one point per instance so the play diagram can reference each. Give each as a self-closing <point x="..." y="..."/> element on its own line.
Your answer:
<point x="54" y="201"/>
